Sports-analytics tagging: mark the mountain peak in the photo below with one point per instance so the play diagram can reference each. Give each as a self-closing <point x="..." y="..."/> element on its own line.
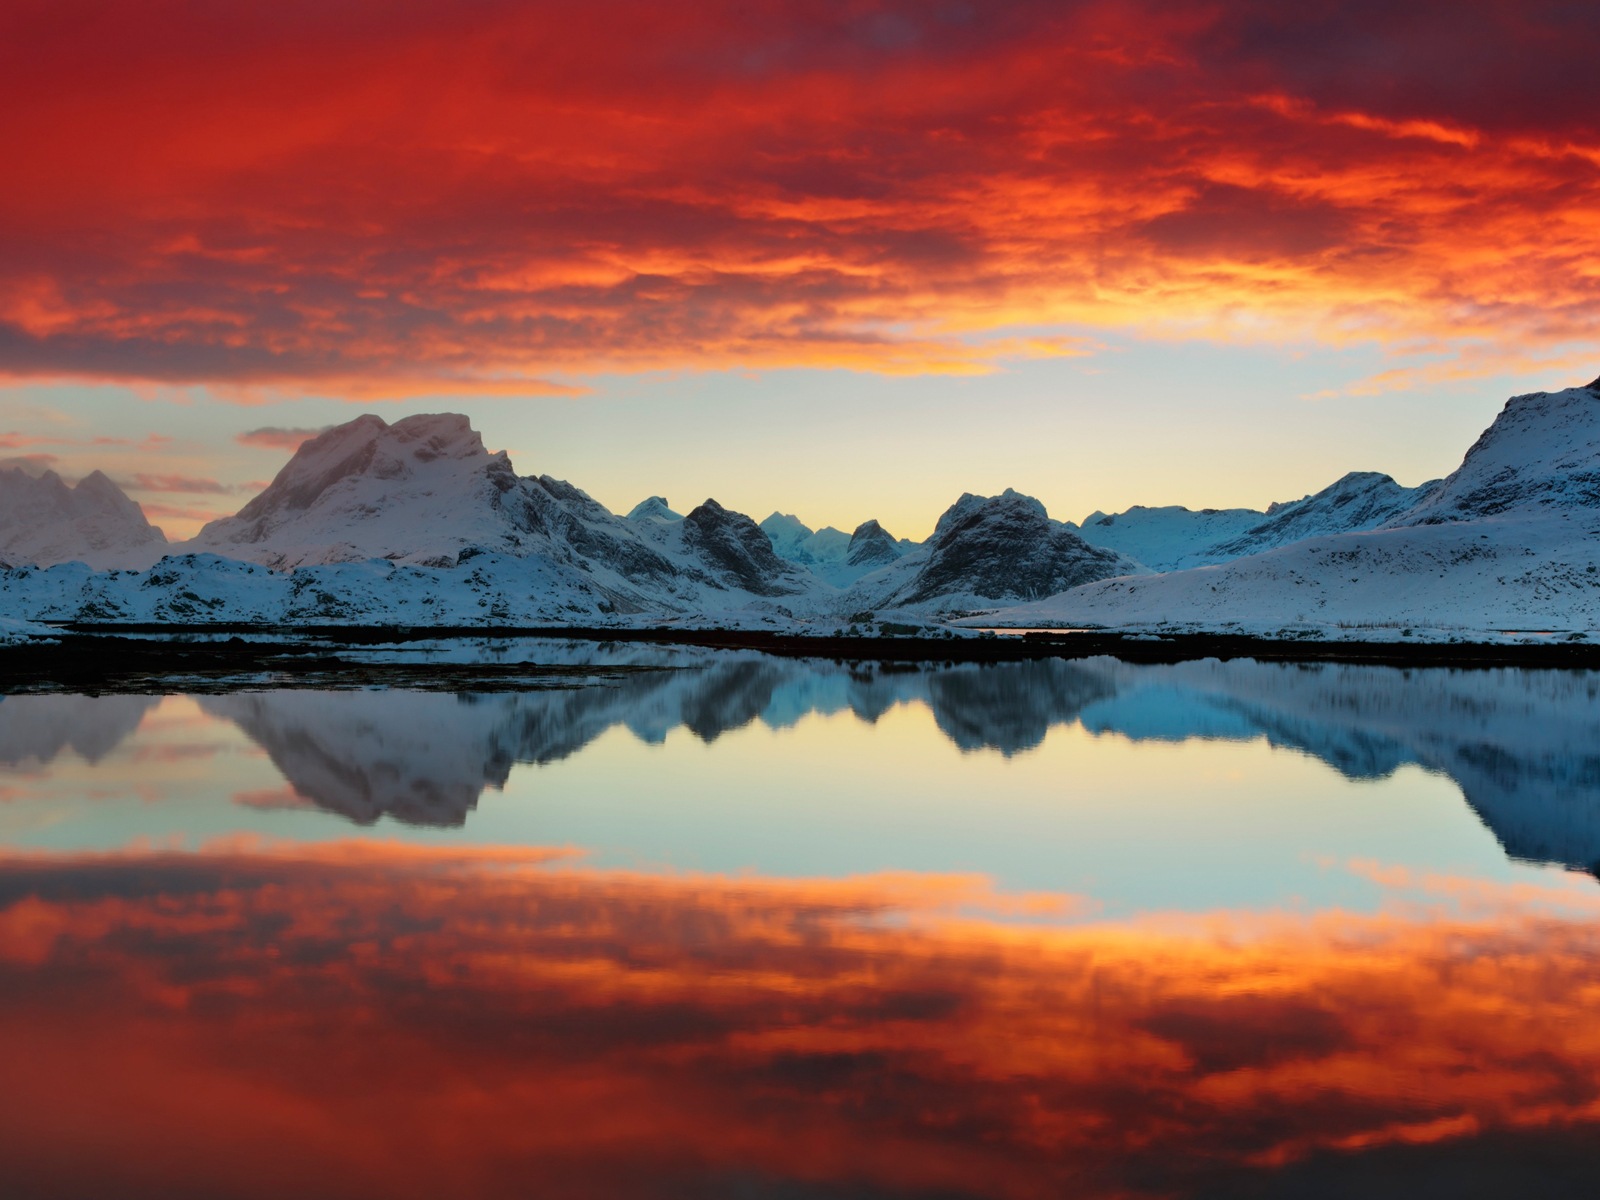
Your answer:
<point x="418" y="489"/>
<point x="969" y="503"/>
<point x="655" y="508"/>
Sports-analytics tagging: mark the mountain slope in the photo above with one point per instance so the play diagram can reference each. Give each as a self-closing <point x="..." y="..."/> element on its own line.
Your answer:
<point x="44" y="521"/>
<point x="1510" y="540"/>
<point x="1541" y="454"/>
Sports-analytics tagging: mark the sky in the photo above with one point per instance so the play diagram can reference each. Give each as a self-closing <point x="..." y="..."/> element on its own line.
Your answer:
<point x="846" y="260"/>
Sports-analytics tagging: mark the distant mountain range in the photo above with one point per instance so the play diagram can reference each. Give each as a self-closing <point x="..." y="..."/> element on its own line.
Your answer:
<point x="416" y="522"/>
<point x="44" y="521"/>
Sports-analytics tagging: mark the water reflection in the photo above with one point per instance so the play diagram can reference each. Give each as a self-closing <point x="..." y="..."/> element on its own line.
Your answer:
<point x="377" y="1020"/>
<point x="1523" y="746"/>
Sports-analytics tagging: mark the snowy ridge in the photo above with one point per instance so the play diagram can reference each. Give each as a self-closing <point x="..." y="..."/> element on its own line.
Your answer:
<point x="795" y="541"/>
<point x="43" y="521"/>
<point x="1173" y="538"/>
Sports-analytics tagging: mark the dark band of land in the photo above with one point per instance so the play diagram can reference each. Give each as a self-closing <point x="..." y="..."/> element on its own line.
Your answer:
<point x="145" y="658"/>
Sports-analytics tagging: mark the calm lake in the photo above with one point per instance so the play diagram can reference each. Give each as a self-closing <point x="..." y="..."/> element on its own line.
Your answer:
<point x="727" y="925"/>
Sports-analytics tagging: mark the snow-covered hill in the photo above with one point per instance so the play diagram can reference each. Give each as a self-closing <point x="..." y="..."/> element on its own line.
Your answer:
<point x="44" y="521"/>
<point x="1510" y="540"/>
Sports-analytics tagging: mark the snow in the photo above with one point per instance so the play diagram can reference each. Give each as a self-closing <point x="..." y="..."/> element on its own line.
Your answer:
<point x="794" y="540"/>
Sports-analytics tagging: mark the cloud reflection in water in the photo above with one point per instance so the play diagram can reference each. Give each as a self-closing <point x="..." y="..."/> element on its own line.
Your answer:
<point x="380" y="1020"/>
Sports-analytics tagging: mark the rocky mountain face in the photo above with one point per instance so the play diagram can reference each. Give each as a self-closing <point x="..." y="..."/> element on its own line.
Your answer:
<point x="736" y="551"/>
<point x="44" y="521"/>
<point x="986" y="549"/>
<point x="871" y="547"/>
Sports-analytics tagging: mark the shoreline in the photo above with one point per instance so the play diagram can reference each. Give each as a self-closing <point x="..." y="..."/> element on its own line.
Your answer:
<point x="96" y="658"/>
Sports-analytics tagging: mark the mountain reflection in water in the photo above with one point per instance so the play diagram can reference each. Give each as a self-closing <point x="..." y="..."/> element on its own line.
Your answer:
<point x="1523" y="746"/>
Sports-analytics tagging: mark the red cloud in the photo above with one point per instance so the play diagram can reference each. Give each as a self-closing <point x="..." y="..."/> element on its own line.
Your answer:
<point x="382" y="199"/>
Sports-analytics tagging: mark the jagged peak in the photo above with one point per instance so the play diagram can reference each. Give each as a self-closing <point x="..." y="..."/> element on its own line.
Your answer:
<point x="786" y="525"/>
<point x="970" y="503"/>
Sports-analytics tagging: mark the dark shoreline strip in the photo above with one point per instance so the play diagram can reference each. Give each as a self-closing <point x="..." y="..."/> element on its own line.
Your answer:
<point x="138" y="657"/>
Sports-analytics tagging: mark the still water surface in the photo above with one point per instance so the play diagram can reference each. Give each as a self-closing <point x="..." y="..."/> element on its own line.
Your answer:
<point x="745" y="927"/>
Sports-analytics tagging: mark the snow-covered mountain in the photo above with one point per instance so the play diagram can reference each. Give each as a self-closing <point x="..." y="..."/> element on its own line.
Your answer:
<point x="795" y="541"/>
<point x="986" y="549"/>
<point x="418" y="491"/>
<point x="44" y="521"/>
<point x="1170" y="539"/>
<point x="830" y="554"/>
<point x="1510" y="540"/>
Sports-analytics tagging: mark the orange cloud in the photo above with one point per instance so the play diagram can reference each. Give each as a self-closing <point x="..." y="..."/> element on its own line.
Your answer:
<point x="415" y="1021"/>
<point x="376" y="200"/>
<point x="278" y="438"/>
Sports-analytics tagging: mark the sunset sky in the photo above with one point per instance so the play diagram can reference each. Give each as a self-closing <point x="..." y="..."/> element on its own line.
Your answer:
<point x="844" y="259"/>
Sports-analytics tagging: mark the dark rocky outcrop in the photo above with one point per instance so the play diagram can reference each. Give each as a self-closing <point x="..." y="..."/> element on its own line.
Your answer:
<point x="735" y="551"/>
